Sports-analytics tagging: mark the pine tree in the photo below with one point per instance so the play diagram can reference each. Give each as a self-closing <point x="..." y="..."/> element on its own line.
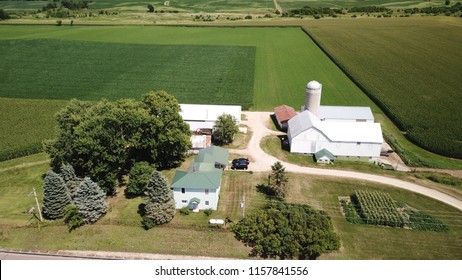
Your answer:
<point x="278" y="180"/>
<point x="55" y="196"/>
<point x="160" y="205"/>
<point x="70" y="179"/>
<point x="90" y="200"/>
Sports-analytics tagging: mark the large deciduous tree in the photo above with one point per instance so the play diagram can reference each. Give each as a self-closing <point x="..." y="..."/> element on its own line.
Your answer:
<point x="138" y="178"/>
<point x="104" y="139"/>
<point x="225" y="129"/>
<point x="288" y="231"/>
<point x="56" y="197"/>
<point x="90" y="201"/>
<point x="160" y="205"/>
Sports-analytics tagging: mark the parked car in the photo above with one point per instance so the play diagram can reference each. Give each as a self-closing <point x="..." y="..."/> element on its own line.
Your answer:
<point x="240" y="163"/>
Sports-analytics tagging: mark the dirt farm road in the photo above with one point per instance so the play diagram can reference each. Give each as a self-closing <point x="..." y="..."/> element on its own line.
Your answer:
<point x="257" y="122"/>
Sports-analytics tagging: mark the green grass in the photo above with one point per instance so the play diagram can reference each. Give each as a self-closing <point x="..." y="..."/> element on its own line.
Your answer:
<point x="120" y="229"/>
<point x="374" y="242"/>
<point x="414" y="79"/>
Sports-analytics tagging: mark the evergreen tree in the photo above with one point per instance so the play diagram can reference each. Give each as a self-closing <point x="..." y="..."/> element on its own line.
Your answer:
<point x="71" y="180"/>
<point x="55" y="196"/>
<point x="90" y="200"/>
<point x="278" y="180"/>
<point x="160" y="205"/>
<point x="67" y="172"/>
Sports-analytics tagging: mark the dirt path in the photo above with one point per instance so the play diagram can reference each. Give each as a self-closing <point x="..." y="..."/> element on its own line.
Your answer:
<point x="258" y="124"/>
<point x="24" y="165"/>
<point x="278" y="7"/>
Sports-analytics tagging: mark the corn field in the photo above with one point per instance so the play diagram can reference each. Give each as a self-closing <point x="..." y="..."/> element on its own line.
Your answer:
<point x="378" y="208"/>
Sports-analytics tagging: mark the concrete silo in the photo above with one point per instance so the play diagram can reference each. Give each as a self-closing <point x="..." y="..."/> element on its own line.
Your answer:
<point x="313" y="97"/>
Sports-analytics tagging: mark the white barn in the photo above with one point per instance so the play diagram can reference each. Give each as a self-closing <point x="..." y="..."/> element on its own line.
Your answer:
<point x="204" y="116"/>
<point x="344" y="131"/>
<point x="308" y="134"/>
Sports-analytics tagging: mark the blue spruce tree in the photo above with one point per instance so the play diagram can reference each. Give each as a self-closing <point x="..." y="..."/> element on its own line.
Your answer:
<point x="90" y="199"/>
<point x="55" y="196"/>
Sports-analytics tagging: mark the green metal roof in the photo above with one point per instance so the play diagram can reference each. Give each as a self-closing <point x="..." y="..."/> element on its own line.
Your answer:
<point x="198" y="179"/>
<point x="213" y="154"/>
<point x="324" y="152"/>
<point x="201" y="166"/>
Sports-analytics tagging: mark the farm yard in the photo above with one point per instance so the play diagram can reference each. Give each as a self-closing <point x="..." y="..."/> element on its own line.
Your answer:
<point x="358" y="241"/>
<point x="408" y="68"/>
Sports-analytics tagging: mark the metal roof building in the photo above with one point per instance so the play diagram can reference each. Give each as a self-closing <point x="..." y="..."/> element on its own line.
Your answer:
<point x="204" y="116"/>
<point x="308" y="134"/>
<point x="198" y="188"/>
<point x="283" y="114"/>
<point x="345" y="113"/>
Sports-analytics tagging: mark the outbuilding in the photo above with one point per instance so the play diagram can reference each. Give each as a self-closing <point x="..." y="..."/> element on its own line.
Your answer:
<point x="201" y="116"/>
<point x="283" y="114"/>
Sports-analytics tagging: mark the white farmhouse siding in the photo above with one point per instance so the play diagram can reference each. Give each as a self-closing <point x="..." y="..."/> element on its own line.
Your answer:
<point x="198" y="188"/>
<point x="308" y="135"/>
<point x="204" y="116"/>
<point x="201" y="182"/>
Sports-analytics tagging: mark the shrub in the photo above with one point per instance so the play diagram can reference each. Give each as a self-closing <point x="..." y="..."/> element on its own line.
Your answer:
<point x="185" y="211"/>
<point x="73" y="218"/>
<point x="208" y="212"/>
<point x="248" y="17"/>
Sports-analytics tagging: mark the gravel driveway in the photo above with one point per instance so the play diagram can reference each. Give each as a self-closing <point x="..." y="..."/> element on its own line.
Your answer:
<point x="258" y="123"/>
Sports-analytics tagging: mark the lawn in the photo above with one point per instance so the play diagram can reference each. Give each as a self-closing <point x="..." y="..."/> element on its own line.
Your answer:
<point x="120" y="229"/>
<point x="410" y="67"/>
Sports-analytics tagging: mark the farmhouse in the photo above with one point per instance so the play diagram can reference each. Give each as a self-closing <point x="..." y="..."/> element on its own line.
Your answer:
<point x="198" y="188"/>
<point x="348" y="132"/>
<point x="200" y="116"/>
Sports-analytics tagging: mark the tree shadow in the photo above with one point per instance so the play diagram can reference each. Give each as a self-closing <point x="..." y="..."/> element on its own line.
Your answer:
<point x="142" y="209"/>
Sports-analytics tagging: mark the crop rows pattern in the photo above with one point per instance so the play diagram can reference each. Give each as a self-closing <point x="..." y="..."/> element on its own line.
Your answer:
<point x="378" y="208"/>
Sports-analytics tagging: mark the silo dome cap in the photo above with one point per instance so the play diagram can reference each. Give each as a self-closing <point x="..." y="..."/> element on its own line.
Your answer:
<point x="313" y="85"/>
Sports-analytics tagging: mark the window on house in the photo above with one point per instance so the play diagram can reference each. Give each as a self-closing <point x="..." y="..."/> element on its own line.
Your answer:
<point x="207" y="203"/>
<point x="206" y="191"/>
<point x="183" y="190"/>
<point x="184" y="201"/>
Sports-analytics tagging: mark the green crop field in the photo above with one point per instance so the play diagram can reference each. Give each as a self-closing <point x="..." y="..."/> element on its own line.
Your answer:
<point x="51" y="62"/>
<point x="410" y="67"/>
<point x="55" y="69"/>
<point x="296" y="4"/>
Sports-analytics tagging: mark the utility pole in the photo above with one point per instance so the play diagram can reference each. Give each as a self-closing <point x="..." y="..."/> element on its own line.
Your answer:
<point x="243" y="205"/>
<point x="38" y="206"/>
